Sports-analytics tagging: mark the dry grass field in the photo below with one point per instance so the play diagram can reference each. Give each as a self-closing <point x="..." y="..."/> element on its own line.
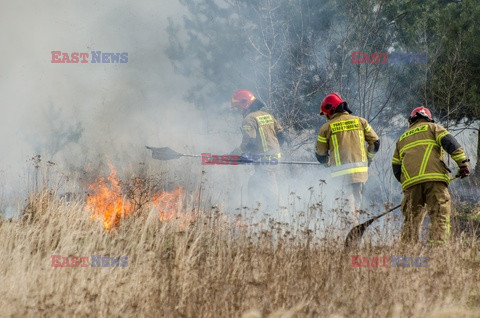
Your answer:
<point x="207" y="265"/>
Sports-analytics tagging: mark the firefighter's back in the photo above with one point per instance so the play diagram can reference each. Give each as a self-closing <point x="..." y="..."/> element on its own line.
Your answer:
<point x="421" y="155"/>
<point x="266" y="137"/>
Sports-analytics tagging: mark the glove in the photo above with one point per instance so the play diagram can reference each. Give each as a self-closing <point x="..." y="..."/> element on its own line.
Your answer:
<point x="463" y="172"/>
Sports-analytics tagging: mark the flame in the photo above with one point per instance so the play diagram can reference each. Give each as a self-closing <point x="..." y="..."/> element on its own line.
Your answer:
<point x="166" y="203"/>
<point x="108" y="204"/>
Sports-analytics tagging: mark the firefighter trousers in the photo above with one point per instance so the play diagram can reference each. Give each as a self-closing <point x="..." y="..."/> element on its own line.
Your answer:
<point x="427" y="197"/>
<point x="353" y="198"/>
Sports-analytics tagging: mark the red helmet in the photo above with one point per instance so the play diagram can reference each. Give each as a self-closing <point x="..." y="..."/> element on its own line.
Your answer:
<point x="422" y="112"/>
<point x="242" y="99"/>
<point x="330" y="104"/>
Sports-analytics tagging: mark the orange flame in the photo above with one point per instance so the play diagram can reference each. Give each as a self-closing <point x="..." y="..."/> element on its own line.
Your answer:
<point x="108" y="204"/>
<point x="166" y="203"/>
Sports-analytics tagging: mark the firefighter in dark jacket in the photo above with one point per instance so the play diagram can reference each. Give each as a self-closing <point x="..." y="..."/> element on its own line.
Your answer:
<point x="341" y="145"/>
<point x="418" y="165"/>
<point x="262" y="137"/>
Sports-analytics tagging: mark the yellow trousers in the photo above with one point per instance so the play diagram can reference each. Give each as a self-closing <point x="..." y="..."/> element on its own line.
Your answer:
<point x="427" y="197"/>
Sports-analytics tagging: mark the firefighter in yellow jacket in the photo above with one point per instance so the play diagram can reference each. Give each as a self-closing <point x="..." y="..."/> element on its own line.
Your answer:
<point x="262" y="137"/>
<point x="418" y="164"/>
<point x="341" y="144"/>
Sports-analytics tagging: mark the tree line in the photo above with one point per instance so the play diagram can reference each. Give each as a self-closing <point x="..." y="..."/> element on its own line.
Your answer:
<point x="291" y="53"/>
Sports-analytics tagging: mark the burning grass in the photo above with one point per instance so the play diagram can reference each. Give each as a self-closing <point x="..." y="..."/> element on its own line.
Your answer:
<point x="108" y="203"/>
<point x="217" y="266"/>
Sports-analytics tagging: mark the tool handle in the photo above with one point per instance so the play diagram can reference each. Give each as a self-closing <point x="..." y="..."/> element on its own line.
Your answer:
<point x="386" y="212"/>
<point x="299" y="163"/>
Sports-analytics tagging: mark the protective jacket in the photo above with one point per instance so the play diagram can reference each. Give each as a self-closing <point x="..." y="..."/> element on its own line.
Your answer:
<point x="342" y="138"/>
<point x="419" y="154"/>
<point x="260" y="130"/>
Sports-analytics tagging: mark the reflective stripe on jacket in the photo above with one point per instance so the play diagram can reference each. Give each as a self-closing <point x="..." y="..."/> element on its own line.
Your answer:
<point x="260" y="131"/>
<point x="420" y="153"/>
<point x="343" y="139"/>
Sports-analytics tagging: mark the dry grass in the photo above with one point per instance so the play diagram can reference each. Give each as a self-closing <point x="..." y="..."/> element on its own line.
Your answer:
<point x="215" y="268"/>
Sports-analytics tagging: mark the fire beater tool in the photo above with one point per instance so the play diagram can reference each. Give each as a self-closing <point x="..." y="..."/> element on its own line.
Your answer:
<point x="166" y="153"/>
<point x="356" y="233"/>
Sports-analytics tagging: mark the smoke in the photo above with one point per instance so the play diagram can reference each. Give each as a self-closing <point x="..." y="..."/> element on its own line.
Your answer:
<point x="73" y="114"/>
<point x="79" y="116"/>
<point x="82" y="115"/>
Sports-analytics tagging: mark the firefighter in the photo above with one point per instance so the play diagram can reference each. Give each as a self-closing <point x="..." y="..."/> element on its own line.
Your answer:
<point x="418" y="165"/>
<point x="262" y="137"/>
<point x="341" y="146"/>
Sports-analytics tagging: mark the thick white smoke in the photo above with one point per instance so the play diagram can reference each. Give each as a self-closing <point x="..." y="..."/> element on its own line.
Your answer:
<point x="73" y="114"/>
